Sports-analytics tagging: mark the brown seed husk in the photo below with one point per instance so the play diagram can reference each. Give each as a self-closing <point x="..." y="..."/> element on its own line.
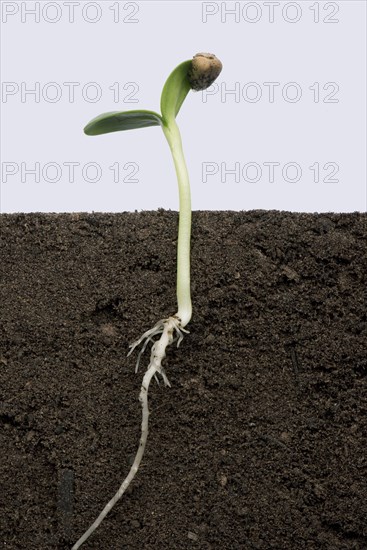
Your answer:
<point x="205" y="68"/>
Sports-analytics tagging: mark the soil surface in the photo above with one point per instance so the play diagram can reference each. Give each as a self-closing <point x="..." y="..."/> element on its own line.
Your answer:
<point x="261" y="441"/>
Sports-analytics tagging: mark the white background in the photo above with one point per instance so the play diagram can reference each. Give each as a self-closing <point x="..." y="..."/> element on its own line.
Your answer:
<point x="319" y="46"/>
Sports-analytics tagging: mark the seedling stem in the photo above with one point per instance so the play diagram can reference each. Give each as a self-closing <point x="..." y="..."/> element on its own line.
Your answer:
<point x="172" y="133"/>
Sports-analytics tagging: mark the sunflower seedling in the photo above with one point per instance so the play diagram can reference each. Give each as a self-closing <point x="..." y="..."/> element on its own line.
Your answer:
<point x="197" y="74"/>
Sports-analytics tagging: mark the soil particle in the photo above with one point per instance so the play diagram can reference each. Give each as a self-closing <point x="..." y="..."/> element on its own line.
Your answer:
<point x="261" y="441"/>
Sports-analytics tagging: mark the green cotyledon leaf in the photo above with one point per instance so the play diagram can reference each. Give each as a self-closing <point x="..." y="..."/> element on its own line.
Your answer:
<point x="118" y="121"/>
<point x="176" y="88"/>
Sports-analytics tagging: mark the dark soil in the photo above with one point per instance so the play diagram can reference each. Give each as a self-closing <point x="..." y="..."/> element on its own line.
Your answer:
<point x="261" y="441"/>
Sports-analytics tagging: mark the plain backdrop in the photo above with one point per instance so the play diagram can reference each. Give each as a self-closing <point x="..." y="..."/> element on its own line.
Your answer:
<point x="283" y="128"/>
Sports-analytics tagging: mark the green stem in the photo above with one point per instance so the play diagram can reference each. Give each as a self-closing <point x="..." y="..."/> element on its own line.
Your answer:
<point x="172" y="133"/>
